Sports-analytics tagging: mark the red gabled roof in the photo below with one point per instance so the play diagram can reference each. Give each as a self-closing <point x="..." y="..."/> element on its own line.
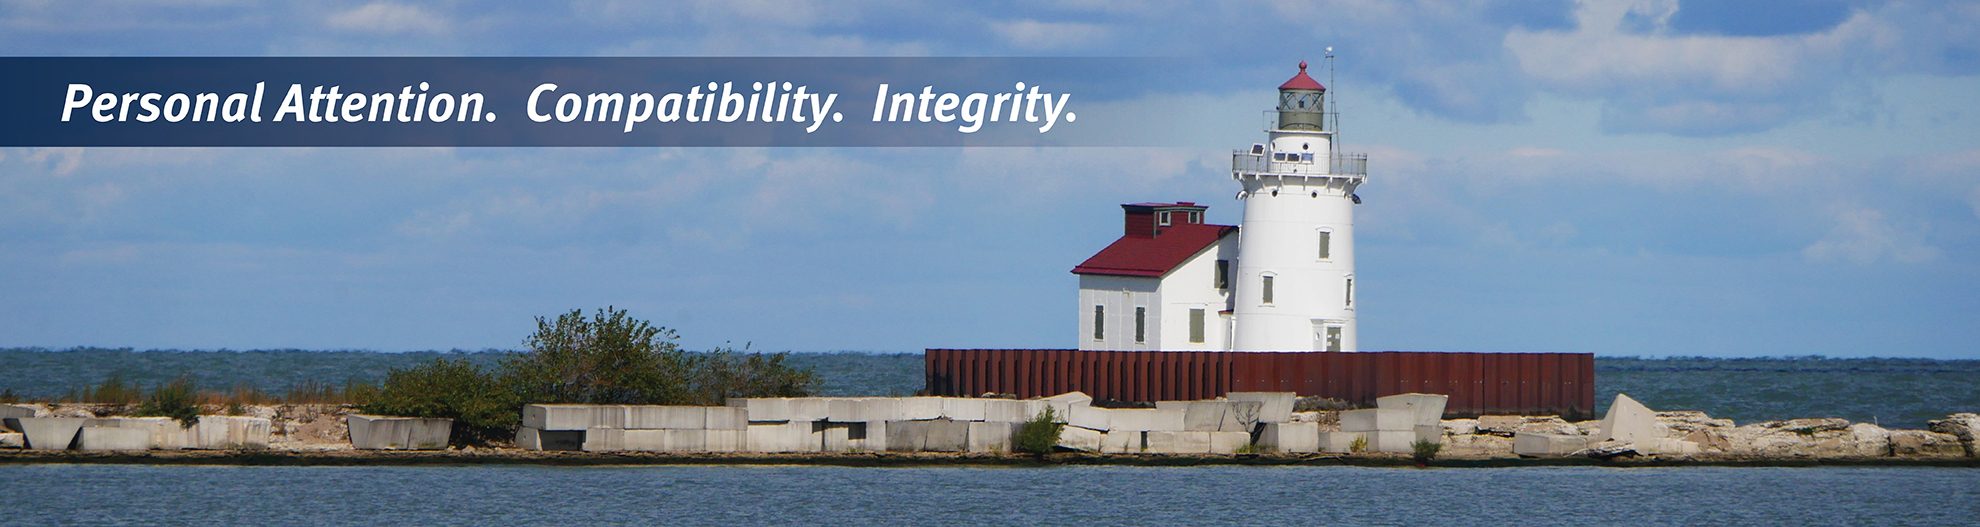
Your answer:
<point x="1302" y="81"/>
<point x="1154" y="256"/>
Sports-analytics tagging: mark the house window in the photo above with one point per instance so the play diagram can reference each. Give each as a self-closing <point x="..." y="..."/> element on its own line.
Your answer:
<point x="1350" y="291"/>
<point x="1099" y="322"/>
<point x="1162" y="218"/>
<point x="1140" y="325"/>
<point x="1326" y="244"/>
<point x="1266" y="289"/>
<point x="1223" y="278"/>
<point x="1196" y="217"/>
<point x="1196" y="326"/>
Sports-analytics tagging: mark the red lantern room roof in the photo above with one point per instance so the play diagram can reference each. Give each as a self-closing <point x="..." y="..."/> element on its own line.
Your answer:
<point x="1301" y="81"/>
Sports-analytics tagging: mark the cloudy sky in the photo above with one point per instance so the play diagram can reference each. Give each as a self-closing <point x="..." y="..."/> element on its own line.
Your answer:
<point x="1618" y="177"/>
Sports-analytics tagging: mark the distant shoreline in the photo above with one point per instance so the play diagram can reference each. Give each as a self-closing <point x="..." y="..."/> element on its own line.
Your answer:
<point x="519" y="457"/>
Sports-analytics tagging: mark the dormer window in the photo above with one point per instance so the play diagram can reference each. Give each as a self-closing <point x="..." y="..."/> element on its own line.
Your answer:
<point x="1162" y="218"/>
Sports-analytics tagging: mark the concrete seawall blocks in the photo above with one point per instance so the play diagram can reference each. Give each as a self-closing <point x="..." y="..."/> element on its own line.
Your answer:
<point x="532" y="439"/>
<point x="1216" y="416"/>
<point x="376" y="432"/>
<point x="227" y="432"/>
<point x="1011" y="410"/>
<point x="573" y="416"/>
<point x="1062" y="404"/>
<point x="1376" y="441"/>
<point x="991" y="436"/>
<point x="928" y="436"/>
<point x="1090" y="417"/>
<point x="1377" y="419"/>
<point x="1145" y="419"/>
<point x="101" y="438"/>
<point x="919" y="409"/>
<point x="664" y="417"/>
<point x="1123" y="442"/>
<point x="1079" y="439"/>
<point x="1534" y="444"/>
<point x="1628" y="421"/>
<point x="661" y="440"/>
<point x="1276" y="407"/>
<point x="1427" y="408"/>
<point x="1289" y="438"/>
<point x="964" y="409"/>
<point x="13" y="440"/>
<point x="48" y="433"/>
<point x="781" y="437"/>
<point x="1165" y="442"/>
<point x="12" y="410"/>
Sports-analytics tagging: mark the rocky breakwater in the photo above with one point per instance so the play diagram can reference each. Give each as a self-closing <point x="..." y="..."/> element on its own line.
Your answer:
<point x="1632" y="430"/>
<point x="106" y="427"/>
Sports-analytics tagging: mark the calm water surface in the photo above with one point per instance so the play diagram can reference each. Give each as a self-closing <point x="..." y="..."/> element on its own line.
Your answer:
<point x="100" y="495"/>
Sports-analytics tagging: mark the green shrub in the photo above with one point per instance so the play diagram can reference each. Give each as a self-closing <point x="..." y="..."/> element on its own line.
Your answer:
<point x="1039" y="435"/>
<point x="481" y="408"/>
<point x="611" y="358"/>
<point x="1424" y="450"/>
<point x="178" y="400"/>
<point x="1359" y="444"/>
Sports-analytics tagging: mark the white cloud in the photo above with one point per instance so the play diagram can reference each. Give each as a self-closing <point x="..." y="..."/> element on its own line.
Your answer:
<point x="388" y="17"/>
<point x="1862" y="236"/>
<point x="1036" y="35"/>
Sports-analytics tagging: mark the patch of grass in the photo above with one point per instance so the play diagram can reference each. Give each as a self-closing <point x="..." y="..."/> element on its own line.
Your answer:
<point x="1359" y="444"/>
<point x="178" y="400"/>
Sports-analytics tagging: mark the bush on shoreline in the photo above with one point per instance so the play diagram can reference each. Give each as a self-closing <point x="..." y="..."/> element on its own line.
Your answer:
<point x="481" y="408"/>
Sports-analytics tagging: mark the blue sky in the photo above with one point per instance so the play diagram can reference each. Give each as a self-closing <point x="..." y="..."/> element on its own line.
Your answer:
<point x="1624" y="178"/>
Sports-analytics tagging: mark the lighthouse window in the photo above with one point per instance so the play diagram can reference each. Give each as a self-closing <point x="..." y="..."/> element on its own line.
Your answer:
<point x="1265" y="290"/>
<point x="1326" y="244"/>
<point x="1162" y="218"/>
<point x="1223" y="278"/>
<point x="1196" y="326"/>
<point x="1350" y="291"/>
<point x="1099" y="322"/>
<point x="1140" y="325"/>
<point x="1196" y="217"/>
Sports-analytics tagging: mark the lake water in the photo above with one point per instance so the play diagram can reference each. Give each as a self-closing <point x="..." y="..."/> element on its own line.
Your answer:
<point x="744" y="495"/>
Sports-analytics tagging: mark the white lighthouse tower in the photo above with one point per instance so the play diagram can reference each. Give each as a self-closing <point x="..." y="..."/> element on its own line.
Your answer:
<point x="1295" y="283"/>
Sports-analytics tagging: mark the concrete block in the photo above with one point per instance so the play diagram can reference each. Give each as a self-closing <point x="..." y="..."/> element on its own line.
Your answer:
<point x="1336" y="442"/>
<point x="532" y="439"/>
<point x="722" y="440"/>
<point x="1219" y="416"/>
<point x="13" y="440"/>
<point x="228" y="432"/>
<point x="1062" y="404"/>
<point x="573" y="416"/>
<point x="1374" y="419"/>
<point x="113" y="438"/>
<point x="1431" y="433"/>
<point x="809" y="408"/>
<point x="783" y="436"/>
<point x="165" y="432"/>
<point x="602" y="439"/>
<point x="1080" y="439"/>
<point x="1091" y="417"/>
<point x="1627" y="421"/>
<point x="726" y="418"/>
<point x="835" y="437"/>
<point x="1289" y="438"/>
<point x="1011" y="410"/>
<point x="919" y="408"/>
<point x="863" y="409"/>
<point x="1428" y="408"/>
<point x="870" y="436"/>
<point x="48" y="433"/>
<point x="964" y="409"/>
<point x="375" y="432"/>
<point x="990" y="436"/>
<point x="1146" y="419"/>
<point x="655" y="417"/>
<point x="940" y="435"/>
<point x="1534" y="444"/>
<point x="1229" y="442"/>
<point x="1178" y="442"/>
<point x="14" y="410"/>
<point x="1123" y="442"/>
<point x="764" y="408"/>
<point x="1275" y="407"/>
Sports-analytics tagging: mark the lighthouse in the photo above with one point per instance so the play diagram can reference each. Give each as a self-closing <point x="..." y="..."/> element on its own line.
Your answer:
<point x="1283" y="280"/>
<point x="1295" y="267"/>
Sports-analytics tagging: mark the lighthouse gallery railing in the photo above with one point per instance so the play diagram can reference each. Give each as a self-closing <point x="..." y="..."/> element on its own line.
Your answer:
<point x="1299" y="164"/>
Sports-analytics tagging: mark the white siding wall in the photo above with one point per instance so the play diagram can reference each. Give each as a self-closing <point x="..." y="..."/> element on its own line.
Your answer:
<point x="1193" y="285"/>
<point x="1120" y="295"/>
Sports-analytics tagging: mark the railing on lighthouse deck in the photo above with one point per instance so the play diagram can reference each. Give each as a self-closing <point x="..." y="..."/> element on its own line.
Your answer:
<point x="1258" y="161"/>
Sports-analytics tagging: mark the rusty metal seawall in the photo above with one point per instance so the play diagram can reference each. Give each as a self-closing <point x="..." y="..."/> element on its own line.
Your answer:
<point x="1477" y="383"/>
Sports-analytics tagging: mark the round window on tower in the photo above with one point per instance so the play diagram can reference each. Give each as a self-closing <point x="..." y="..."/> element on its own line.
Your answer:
<point x="1305" y="146"/>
